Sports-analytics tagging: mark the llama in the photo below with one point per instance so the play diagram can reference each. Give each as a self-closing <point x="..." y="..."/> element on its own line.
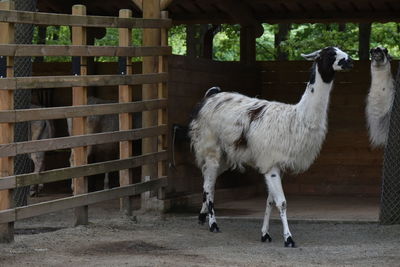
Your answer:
<point x="380" y="96"/>
<point x="230" y="130"/>
<point x="43" y="129"/>
<point x="99" y="124"/>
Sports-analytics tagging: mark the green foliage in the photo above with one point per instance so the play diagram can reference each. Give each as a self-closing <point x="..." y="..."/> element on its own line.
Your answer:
<point x="55" y="35"/>
<point x="177" y="39"/>
<point x="111" y="39"/>
<point x="303" y="38"/>
<point x="387" y="35"/>
<point x="226" y="45"/>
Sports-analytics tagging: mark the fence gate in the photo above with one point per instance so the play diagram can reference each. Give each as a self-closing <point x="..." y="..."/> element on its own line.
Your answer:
<point x="153" y="105"/>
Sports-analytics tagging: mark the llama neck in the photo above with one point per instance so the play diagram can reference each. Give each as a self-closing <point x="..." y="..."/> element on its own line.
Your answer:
<point x="380" y="75"/>
<point x="315" y="100"/>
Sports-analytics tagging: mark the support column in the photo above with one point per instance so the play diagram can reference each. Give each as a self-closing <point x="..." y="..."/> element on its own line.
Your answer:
<point x="125" y="119"/>
<point x="247" y="46"/>
<point x="79" y="97"/>
<point x="7" y="129"/>
<point x="151" y="37"/>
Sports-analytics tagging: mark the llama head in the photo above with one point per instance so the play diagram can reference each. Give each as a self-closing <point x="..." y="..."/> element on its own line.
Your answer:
<point x="380" y="56"/>
<point x="330" y="58"/>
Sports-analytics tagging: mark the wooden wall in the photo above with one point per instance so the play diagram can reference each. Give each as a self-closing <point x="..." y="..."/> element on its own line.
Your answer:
<point x="347" y="165"/>
<point x="189" y="80"/>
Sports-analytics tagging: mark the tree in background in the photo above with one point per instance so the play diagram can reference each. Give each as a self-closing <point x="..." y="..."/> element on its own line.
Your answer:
<point x="272" y="45"/>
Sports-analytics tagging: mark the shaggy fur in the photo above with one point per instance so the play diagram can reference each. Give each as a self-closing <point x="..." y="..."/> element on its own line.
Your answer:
<point x="231" y="130"/>
<point x="380" y="96"/>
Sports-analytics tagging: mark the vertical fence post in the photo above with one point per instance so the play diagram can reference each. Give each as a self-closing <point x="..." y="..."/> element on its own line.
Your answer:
<point x="79" y="97"/>
<point x="7" y="129"/>
<point x="125" y="119"/>
<point x="163" y="113"/>
<point x="151" y="37"/>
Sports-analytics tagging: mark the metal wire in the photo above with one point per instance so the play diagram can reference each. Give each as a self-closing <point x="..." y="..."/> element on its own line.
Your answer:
<point x="390" y="198"/>
<point x="22" y="98"/>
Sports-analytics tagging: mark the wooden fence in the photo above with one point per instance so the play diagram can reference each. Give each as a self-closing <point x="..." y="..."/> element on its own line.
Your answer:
<point x="154" y="78"/>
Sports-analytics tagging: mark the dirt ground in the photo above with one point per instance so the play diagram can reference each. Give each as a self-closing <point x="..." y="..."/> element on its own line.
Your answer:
<point x="112" y="239"/>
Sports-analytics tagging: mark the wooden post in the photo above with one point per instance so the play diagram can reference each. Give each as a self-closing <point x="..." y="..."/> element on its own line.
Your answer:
<point x="151" y="37"/>
<point x="7" y="129"/>
<point x="247" y="45"/>
<point x="79" y="97"/>
<point x="125" y="119"/>
<point x="364" y="36"/>
<point x="162" y="113"/>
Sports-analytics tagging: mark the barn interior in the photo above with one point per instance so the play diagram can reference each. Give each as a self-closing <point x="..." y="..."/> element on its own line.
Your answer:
<point x="346" y="176"/>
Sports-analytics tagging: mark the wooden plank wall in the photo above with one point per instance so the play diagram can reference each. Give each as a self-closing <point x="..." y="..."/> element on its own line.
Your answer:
<point x="188" y="81"/>
<point x="347" y="165"/>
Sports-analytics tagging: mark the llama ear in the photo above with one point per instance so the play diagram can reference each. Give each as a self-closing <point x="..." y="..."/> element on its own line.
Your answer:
<point x="312" y="56"/>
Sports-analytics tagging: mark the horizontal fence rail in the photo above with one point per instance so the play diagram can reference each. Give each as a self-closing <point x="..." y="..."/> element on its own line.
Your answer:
<point x="40" y="18"/>
<point x="22" y="50"/>
<point x="11" y="215"/>
<point x="80" y="171"/>
<point x="13" y="149"/>
<point x="79" y="111"/>
<point x="74" y="81"/>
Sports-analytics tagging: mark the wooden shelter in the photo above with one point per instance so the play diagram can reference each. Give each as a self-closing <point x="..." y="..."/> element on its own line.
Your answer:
<point x="346" y="165"/>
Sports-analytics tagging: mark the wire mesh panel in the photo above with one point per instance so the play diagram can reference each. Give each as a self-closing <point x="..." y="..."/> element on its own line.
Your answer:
<point x="22" y="98"/>
<point x="390" y="199"/>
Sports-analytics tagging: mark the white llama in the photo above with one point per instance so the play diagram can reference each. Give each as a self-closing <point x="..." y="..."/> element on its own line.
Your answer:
<point x="380" y="96"/>
<point x="231" y="130"/>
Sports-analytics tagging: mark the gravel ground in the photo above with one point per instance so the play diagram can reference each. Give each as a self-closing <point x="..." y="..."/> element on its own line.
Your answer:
<point x="112" y="239"/>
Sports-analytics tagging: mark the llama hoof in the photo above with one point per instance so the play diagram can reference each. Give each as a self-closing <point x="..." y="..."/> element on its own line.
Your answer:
<point x="266" y="237"/>
<point x="202" y="218"/>
<point x="289" y="243"/>
<point x="214" y="228"/>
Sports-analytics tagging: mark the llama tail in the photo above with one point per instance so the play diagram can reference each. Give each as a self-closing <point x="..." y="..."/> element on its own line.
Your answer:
<point x="212" y="91"/>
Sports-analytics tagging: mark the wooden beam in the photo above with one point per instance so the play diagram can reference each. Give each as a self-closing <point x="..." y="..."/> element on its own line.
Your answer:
<point x="14" y="149"/>
<point x="164" y="4"/>
<point x="163" y="113"/>
<point x="79" y="111"/>
<point x="125" y="94"/>
<point x="40" y="18"/>
<point x="88" y="169"/>
<point x="138" y="3"/>
<point x="79" y="97"/>
<point x="247" y="46"/>
<point x="25" y="50"/>
<point x="40" y="82"/>
<point x="7" y="129"/>
<point x="151" y="37"/>
<point x="33" y="210"/>
<point x="242" y="14"/>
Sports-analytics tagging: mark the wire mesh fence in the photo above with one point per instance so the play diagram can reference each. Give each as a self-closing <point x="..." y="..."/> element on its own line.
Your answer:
<point x="390" y="198"/>
<point x="22" y="98"/>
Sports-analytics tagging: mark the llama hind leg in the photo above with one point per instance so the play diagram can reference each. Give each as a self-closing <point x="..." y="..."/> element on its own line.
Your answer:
<point x="275" y="189"/>
<point x="210" y="174"/>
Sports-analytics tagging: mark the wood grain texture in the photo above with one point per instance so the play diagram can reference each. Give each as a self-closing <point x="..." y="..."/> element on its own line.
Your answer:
<point x="23" y="50"/>
<point x="20" y="213"/>
<point x="40" y="18"/>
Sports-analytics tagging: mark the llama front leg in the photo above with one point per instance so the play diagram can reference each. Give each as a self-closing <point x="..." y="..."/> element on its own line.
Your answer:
<point x="265" y="228"/>
<point x="275" y="189"/>
<point x="204" y="210"/>
<point x="210" y="173"/>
